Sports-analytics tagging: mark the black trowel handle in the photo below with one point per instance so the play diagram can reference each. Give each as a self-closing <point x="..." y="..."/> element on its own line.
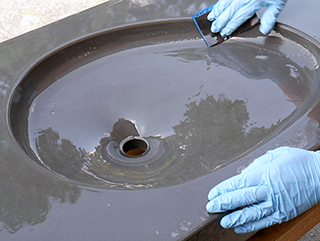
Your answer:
<point x="250" y="23"/>
<point x="213" y="39"/>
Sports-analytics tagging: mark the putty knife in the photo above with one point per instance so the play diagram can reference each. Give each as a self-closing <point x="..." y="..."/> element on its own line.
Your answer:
<point x="213" y="39"/>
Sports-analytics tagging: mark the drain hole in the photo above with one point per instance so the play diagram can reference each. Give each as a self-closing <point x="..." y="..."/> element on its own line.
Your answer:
<point x="134" y="146"/>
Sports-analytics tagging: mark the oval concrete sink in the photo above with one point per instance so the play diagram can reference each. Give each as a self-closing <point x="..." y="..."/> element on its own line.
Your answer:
<point x="150" y="105"/>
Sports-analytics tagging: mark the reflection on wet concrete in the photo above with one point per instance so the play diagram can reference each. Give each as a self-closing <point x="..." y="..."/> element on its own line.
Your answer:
<point x="197" y="109"/>
<point x="272" y="58"/>
<point x="122" y="129"/>
<point x="26" y="203"/>
<point x="27" y="193"/>
<point x="212" y="134"/>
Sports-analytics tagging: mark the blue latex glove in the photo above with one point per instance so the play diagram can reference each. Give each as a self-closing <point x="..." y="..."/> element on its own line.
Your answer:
<point x="276" y="187"/>
<point x="228" y="15"/>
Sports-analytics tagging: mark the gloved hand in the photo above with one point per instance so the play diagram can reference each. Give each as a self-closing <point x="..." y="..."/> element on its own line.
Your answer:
<point x="228" y="15"/>
<point x="276" y="187"/>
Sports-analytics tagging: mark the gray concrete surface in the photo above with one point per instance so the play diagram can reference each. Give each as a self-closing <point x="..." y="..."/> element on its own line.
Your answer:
<point x="21" y="16"/>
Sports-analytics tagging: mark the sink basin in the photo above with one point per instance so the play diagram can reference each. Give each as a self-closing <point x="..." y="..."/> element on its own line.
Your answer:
<point x="188" y="109"/>
<point x="99" y="103"/>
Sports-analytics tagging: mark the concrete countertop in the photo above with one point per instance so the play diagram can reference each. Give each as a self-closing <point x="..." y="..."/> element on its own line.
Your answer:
<point x="21" y="16"/>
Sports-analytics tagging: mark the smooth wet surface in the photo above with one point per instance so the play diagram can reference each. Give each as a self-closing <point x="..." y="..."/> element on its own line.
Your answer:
<point x="40" y="204"/>
<point x="197" y="108"/>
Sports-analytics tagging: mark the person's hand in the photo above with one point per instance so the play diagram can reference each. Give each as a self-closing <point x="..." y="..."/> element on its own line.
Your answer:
<point x="228" y="15"/>
<point x="276" y="187"/>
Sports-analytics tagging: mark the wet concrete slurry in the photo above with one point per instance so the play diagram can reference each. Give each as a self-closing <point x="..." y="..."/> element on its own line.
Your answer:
<point x="198" y="153"/>
<point x="20" y="16"/>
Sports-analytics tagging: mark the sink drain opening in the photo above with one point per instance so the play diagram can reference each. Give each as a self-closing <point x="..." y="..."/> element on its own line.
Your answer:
<point x="134" y="146"/>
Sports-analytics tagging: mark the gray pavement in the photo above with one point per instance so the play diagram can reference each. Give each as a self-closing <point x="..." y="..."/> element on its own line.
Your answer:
<point x="312" y="235"/>
<point x="21" y="16"/>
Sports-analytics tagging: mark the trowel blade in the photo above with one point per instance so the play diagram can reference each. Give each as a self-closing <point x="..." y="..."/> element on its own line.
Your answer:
<point x="213" y="39"/>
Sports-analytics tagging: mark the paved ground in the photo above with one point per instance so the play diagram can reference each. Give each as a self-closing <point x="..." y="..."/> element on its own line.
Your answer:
<point x="312" y="235"/>
<point x="21" y="16"/>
